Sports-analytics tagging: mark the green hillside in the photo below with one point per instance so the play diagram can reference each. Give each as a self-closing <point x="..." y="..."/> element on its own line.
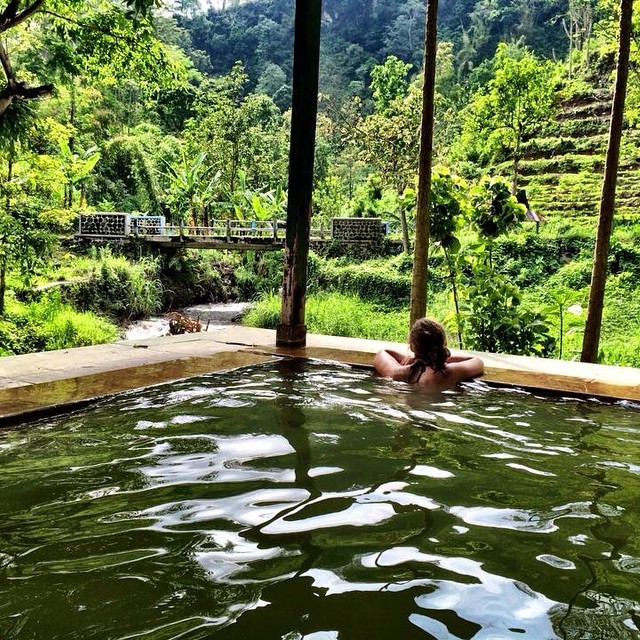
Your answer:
<point x="562" y="168"/>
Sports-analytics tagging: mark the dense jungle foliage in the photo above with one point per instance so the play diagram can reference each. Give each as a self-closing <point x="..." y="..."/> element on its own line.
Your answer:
<point x="184" y="112"/>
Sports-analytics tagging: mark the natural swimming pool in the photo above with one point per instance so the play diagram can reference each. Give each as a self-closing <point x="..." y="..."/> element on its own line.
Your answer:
<point x="314" y="501"/>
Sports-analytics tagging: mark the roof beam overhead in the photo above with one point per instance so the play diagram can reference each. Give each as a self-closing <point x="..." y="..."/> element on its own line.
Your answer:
<point x="292" y="331"/>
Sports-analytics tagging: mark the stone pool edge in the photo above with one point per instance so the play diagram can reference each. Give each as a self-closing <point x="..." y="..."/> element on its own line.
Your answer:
<point x="33" y="384"/>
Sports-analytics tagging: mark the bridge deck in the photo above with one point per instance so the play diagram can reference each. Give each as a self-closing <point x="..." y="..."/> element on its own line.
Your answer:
<point x="238" y="243"/>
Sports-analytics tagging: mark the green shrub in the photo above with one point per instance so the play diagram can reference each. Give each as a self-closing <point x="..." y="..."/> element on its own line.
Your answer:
<point x="266" y="313"/>
<point x="260" y="273"/>
<point x="69" y="328"/>
<point x="576" y="244"/>
<point x="51" y="324"/>
<point x="494" y="320"/>
<point x="527" y="260"/>
<point x="623" y="352"/>
<point x="355" y="252"/>
<point x="18" y="335"/>
<point x="369" y="283"/>
<point x="575" y="275"/>
<point x="120" y="289"/>
<point x="194" y="278"/>
<point x="623" y="259"/>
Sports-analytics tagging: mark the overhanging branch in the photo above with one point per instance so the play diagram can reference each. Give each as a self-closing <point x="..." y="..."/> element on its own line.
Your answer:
<point x="18" y="90"/>
<point x="11" y="18"/>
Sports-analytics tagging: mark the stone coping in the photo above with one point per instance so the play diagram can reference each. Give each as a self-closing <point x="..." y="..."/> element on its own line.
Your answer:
<point x="43" y="382"/>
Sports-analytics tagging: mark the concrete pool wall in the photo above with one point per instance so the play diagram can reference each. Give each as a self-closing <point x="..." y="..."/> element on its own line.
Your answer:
<point x="33" y="384"/>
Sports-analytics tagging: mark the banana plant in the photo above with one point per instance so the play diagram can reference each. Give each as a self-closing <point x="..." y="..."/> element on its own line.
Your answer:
<point x="77" y="168"/>
<point x="269" y="205"/>
<point x="258" y="204"/>
<point x="192" y="188"/>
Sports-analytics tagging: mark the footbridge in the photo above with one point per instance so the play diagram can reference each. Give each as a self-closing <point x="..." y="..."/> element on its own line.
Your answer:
<point x="234" y="235"/>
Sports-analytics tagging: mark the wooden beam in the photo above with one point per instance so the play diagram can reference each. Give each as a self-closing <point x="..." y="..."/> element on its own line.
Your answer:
<point x="292" y="331"/>
<point x="593" y="324"/>
<point x="418" y="304"/>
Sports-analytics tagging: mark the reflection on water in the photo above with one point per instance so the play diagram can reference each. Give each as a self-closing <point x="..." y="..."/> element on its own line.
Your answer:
<point x="311" y="502"/>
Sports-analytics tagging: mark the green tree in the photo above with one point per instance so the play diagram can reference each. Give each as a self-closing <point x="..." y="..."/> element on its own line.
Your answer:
<point x="449" y="205"/>
<point x="390" y="135"/>
<point x="389" y="83"/>
<point x="404" y="37"/>
<point x="239" y="131"/>
<point x="126" y="177"/>
<point x="518" y="99"/>
<point x="494" y="318"/>
<point x="78" y="35"/>
<point x="25" y="242"/>
<point x="273" y="82"/>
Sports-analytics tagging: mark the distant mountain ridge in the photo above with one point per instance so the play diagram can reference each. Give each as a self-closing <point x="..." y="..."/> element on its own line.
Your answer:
<point x="358" y="34"/>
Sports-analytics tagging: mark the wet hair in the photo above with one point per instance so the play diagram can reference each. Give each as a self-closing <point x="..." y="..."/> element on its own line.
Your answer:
<point x="428" y="341"/>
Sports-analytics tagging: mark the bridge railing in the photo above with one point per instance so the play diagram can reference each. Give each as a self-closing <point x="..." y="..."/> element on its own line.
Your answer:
<point x="229" y="229"/>
<point x="114" y="224"/>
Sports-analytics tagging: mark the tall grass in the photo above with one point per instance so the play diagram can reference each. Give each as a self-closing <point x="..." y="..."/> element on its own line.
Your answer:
<point x="51" y="324"/>
<point x="121" y="289"/>
<point x="341" y="314"/>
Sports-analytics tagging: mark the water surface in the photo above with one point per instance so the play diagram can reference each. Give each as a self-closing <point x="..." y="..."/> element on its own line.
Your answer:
<point x="319" y="502"/>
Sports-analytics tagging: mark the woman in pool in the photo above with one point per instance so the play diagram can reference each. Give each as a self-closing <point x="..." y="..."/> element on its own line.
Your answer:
<point x="431" y="364"/>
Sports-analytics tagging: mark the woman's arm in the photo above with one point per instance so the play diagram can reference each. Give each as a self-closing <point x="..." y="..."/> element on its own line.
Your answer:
<point x="392" y="364"/>
<point x="465" y="367"/>
<point x="402" y="358"/>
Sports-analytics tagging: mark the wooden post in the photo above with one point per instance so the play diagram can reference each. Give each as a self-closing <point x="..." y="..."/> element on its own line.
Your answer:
<point x="593" y="325"/>
<point x="292" y="332"/>
<point x="418" y="304"/>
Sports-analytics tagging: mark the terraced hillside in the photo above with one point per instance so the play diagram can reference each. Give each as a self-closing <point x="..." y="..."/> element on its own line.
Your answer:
<point x="562" y="169"/>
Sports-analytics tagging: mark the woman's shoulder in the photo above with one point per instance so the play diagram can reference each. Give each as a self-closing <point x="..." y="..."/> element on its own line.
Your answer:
<point x="453" y="372"/>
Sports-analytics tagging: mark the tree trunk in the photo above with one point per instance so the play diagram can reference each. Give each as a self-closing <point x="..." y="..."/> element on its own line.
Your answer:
<point x="569" y="32"/>
<point x="406" y="245"/>
<point x="292" y="332"/>
<point x="404" y="226"/>
<point x="593" y="325"/>
<point x="3" y="283"/>
<point x="421" y="250"/>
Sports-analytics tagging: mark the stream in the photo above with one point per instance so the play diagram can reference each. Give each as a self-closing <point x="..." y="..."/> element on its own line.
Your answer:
<point x="212" y="316"/>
